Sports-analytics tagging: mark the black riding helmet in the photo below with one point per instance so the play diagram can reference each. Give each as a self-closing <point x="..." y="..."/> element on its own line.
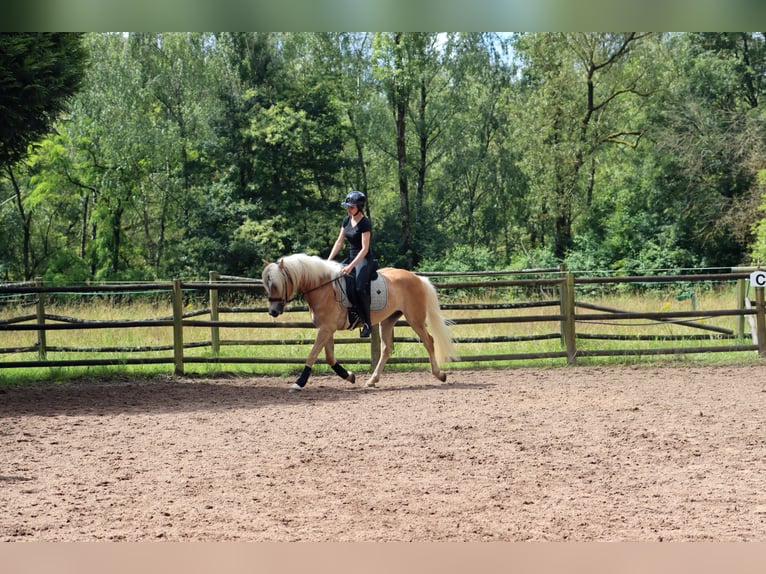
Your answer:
<point x="355" y="198"/>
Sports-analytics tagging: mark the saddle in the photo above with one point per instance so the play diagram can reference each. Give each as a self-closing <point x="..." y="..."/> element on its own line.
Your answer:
<point x="347" y="296"/>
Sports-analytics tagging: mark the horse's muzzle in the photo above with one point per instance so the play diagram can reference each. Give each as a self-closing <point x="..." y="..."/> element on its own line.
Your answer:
<point x="276" y="309"/>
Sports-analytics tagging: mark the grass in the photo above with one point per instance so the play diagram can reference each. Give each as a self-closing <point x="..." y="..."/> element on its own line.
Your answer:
<point x="106" y="309"/>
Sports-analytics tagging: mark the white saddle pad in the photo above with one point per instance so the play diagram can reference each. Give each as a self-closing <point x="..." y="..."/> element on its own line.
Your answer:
<point x="378" y="294"/>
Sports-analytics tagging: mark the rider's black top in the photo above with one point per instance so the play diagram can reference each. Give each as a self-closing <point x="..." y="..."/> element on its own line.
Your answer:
<point x="354" y="235"/>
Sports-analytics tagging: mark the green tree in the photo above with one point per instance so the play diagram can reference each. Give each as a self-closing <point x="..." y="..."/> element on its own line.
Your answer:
<point x="340" y="62"/>
<point x="39" y="73"/>
<point x="215" y="218"/>
<point x="574" y="86"/>
<point x="185" y="152"/>
<point x="478" y="186"/>
<point x="709" y="140"/>
<point x="288" y="128"/>
<point x="113" y="139"/>
<point x="393" y="56"/>
<point x="420" y="75"/>
<point x="140" y="135"/>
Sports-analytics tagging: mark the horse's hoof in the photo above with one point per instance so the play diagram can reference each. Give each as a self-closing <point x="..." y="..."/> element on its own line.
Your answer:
<point x="370" y="384"/>
<point x="351" y="378"/>
<point x="295" y="388"/>
<point x="442" y="377"/>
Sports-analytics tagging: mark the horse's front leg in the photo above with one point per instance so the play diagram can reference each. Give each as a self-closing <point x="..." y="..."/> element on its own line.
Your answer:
<point x="324" y="335"/>
<point x="329" y="353"/>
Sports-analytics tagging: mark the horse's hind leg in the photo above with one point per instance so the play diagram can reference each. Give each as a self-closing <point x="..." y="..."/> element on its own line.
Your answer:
<point x="428" y="343"/>
<point x="386" y="346"/>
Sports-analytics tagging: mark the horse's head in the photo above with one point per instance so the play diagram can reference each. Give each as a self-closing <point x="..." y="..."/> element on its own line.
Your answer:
<point x="276" y="282"/>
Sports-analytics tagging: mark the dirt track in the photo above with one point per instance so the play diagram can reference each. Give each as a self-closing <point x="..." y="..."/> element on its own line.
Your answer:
<point x="584" y="453"/>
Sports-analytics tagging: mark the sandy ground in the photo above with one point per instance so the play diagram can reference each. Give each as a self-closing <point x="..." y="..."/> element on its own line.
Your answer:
<point x="579" y="453"/>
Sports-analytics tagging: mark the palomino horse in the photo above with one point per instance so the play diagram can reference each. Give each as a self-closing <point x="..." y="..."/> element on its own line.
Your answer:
<point x="317" y="280"/>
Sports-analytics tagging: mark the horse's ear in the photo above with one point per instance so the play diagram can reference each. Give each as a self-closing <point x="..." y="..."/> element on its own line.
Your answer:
<point x="281" y="264"/>
<point x="265" y="263"/>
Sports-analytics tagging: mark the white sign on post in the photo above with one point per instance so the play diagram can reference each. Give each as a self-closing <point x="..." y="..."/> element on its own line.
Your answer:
<point x="758" y="278"/>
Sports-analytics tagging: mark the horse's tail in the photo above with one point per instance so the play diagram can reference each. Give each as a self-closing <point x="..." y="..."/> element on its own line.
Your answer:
<point x="438" y="324"/>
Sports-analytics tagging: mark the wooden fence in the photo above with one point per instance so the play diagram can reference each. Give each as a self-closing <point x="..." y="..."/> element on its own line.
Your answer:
<point x="551" y="295"/>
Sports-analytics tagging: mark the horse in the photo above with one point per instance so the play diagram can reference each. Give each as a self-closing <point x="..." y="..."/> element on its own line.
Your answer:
<point x="317" y="280"/>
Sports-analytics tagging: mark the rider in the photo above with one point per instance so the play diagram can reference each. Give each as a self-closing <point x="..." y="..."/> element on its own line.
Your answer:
<point x="357" y="229"/>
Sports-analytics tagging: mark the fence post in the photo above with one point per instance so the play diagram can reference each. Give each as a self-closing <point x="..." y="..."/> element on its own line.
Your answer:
<point x="562" y="302"/>
<point x="741" y="294"/>
<point x="760" y="315"/>
<point x="215" y="335"/>
<point x="178" y="328"/>
<point x="42" y="351"/>
<point x="568" y="317"/>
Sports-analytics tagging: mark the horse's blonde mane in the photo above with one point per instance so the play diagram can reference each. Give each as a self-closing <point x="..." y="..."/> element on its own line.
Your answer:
<point x="307" y="270"/>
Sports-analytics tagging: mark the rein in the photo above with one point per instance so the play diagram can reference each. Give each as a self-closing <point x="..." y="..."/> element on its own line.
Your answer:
<point x="285" y="300"/>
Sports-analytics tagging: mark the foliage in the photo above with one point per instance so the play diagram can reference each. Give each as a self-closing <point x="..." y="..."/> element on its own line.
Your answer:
<point x="759" y="228"/>
<point x="66" y="268"/>
<point x="462" y="258"/>
<point x="39" y="73"/>
<point x="186" y="152"/>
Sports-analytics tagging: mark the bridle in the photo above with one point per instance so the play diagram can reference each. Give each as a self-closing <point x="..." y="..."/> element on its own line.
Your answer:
<point x="286" y="276"/>
<point x="282" y="300"/>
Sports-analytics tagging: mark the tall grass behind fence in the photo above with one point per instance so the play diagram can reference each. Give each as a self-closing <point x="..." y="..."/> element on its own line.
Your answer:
<point x="618" y="316"/>
<point x="538" y="316"/>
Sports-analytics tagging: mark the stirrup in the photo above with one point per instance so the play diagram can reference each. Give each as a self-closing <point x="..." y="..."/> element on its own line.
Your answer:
<point x="365" y="332"/>
<point x="354" y="320"/>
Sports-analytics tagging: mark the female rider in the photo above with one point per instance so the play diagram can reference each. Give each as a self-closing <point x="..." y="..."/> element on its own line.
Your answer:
<point x="357" y="229"/>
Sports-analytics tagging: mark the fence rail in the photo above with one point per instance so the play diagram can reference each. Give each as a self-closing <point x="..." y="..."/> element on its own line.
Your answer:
<point x="568" y="340"/>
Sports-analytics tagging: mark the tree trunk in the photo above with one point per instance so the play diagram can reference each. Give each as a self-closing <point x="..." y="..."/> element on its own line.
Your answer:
<point x="404" y="193"/>
<point x="116" y="240"/>
<point x="25" y="225"/>
<point x="423" y="141"/>
<point x="563" y="236"/>
<point x="400" y="104"/>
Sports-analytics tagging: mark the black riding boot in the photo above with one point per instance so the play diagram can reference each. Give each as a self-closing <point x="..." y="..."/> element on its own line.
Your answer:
<point x="364" y="313"/>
